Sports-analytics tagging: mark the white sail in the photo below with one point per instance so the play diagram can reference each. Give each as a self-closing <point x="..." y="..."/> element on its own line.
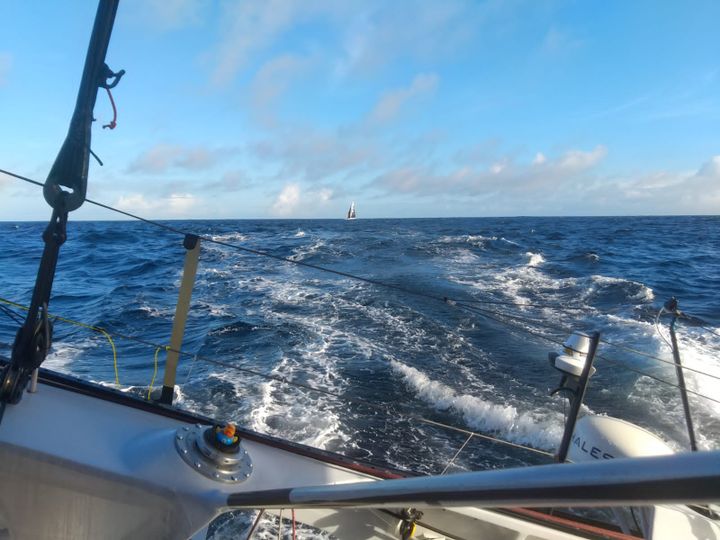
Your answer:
<point x="351" y="211"/>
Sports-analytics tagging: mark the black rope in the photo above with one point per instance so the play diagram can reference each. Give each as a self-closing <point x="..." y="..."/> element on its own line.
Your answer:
<point x="656" y="358"/>
<point x="614" y="362"/>
<point x="658" y="379"/>
<point x="708" y="329"/>
<point x="524" y="304"/>
<point x="11" y="314"/>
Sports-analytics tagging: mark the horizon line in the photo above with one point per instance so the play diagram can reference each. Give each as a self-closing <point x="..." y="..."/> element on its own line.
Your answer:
<point x="542" y="216"/>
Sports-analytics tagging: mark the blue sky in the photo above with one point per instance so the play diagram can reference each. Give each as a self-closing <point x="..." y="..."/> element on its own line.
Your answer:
<point x="410" y="108"/>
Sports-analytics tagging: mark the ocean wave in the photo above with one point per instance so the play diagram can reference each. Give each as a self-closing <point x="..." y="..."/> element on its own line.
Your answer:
<point x="503" y="239"/>
<point x="617" y="290"/>
<point x="540" y="431"/>
<point x="305" y="252"/>
<point x="230" y="237"/>
<point x="154" y="312"/>
<point x="476" y="240"/>
<point x="536" y="259"/>
<point x="64" y="354"/>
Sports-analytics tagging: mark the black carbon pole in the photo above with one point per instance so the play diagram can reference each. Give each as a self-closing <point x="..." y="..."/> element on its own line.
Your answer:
<point x="671" y="306"/>
<point x="578" y="398"/>
<point x="70" y="170"/>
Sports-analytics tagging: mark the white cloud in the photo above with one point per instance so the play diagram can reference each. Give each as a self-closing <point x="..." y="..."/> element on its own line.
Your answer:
<point x="229" y="182"/>
<point x="316" y="156"/>
<point x="6" y="62"/>
<point x="666" y="192"/>
<point x="413" y="30"/>
<point x="165" y="15"/>
<point x="503" y="175"/>
<point x="181" y="203"/>
<point x="175" y="205"/>
<point x="539" y="159"/>
<point x="324" y="194"/>
<point x="163" y="157"/>
<point x="271" y="82"/>
<point x="252" y="26"/>
<point x="577" y="160"/>
<point x="569" y="185"/>
<point x="286" y="201"/>
<point x="373" y="34"/>
<point x="497" y="168"/>
<point x="711" y="169"/>
<point x="391" y="102"/>
<point x="293" y="200"/>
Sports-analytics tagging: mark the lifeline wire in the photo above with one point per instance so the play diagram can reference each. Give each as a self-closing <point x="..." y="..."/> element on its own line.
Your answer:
<point x="614" y="362"/>
<point x="78" y="323"/>
<point x="453" y="302"/>
<point x="262" y="253"/>
<point x="284" y="380"/>
<point x="14" y="316"/>
<point x="444" y="299"/>
<point x="484" y="313"/>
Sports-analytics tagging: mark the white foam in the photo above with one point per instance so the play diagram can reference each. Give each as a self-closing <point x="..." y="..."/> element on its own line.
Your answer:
<point x="698" y="350"/>
<point x="214" y="272"/>
<point x="63" y="354"/>
<point x="477" y="240"/>
<point x="299" y="234"/>
<point x="303" y="252"/>
<point x="155" y="312"/>
<point x="230" y="237"/>
<point x="643" y="294"/>
<point x="307" y="418"/>
<point x="535" y="259"/>
<point x="216" y="310"/>
<point x="521" y="427"/>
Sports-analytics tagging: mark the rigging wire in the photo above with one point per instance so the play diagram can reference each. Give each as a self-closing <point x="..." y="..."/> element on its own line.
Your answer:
<point x="707" y="328"/>
<point x="614" y="362"/>
<point x="658" y="379"/>
<point x="285" y="380"/>
<point x="11" y="314"/>
<point x="463" y="304"/>
<point x="262" y="253"/>
<point x="566" y="331"/>
<point x="444" y="299"/>
<point x="525" y="304"/>
<point x="657" y="358"/>
<point x="78" y="323"/>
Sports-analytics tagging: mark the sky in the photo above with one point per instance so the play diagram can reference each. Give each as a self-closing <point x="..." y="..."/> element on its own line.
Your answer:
<point x="290" y="109"/>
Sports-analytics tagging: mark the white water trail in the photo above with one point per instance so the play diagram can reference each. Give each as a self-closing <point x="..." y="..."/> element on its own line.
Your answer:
<point x="528" y="427"/>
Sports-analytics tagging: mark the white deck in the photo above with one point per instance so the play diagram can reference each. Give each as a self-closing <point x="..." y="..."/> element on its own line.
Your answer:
<point x="79" y="467"/>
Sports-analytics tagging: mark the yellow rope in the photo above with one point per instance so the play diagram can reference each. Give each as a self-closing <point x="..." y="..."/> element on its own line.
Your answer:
<point x="152" y="381"/>
<point x="78" y="323"/>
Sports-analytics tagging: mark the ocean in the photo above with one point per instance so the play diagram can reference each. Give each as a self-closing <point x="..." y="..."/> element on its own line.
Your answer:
<point x="532" y="281"/>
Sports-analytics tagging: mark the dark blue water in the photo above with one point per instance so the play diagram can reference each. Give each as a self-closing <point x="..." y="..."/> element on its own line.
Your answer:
<point x="408" y="354"/>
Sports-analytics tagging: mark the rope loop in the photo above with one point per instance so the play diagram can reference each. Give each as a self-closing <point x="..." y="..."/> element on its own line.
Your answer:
<point x="113" y="122"/>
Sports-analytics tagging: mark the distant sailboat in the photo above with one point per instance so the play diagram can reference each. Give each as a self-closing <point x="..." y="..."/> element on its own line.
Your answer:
<point x="351" y="211"/>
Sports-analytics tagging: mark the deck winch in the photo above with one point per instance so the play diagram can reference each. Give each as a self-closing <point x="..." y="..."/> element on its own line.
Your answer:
<point x="215" y="452"/>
